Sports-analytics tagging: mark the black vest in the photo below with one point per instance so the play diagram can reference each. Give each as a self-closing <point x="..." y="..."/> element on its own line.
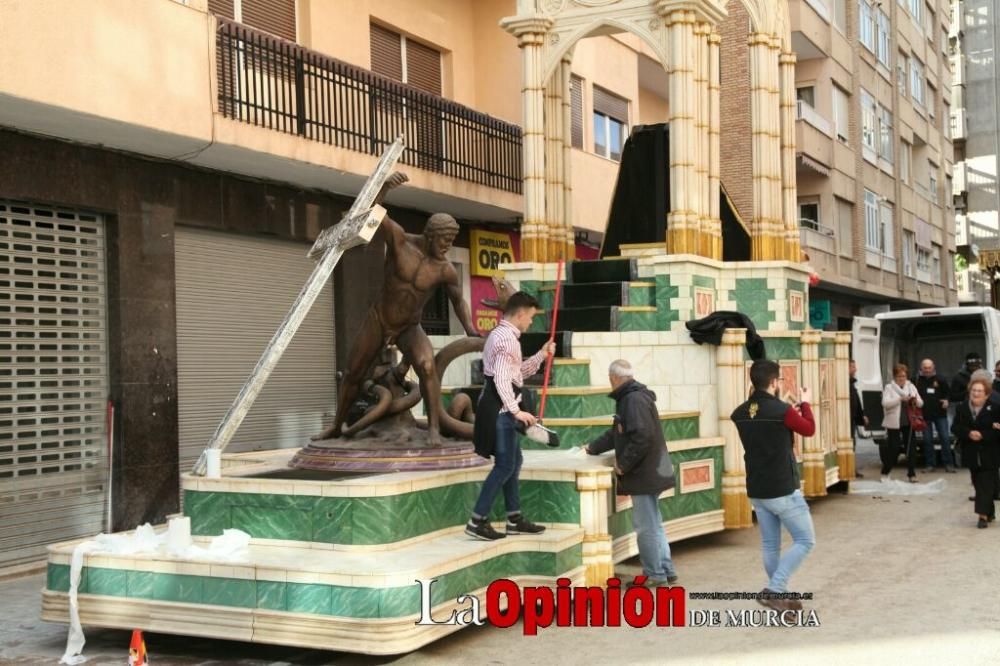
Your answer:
<point x="767" y="446"/>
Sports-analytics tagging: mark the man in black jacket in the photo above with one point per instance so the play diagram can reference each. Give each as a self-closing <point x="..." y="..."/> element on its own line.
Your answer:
<point x="933" y="390"/>
<point x="643" y="466"/>
<point x="766" y="424"/>
<point x="960" y="382"/>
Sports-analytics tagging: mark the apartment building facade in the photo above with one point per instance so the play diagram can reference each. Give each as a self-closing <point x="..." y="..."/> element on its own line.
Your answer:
<point x="875" y="160"/>
<point x="975" y="38"/>
<point x="165" y="166"/>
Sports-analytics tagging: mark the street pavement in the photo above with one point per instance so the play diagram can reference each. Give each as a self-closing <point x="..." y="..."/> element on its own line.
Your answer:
<point x="895" y="580"/>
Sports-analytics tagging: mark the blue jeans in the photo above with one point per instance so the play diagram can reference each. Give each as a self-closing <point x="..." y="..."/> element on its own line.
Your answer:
<point x="939" y="423"/>
<point x="654" y="551"/>
<point x="507" y="461"/>
<point x="792" y="512"/>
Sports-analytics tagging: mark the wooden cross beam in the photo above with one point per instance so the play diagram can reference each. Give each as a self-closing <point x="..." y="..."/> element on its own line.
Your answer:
<point x="357" y="228"/>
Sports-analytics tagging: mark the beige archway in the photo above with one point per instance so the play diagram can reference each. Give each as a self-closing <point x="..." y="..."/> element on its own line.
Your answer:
<point x="683" y="34"/>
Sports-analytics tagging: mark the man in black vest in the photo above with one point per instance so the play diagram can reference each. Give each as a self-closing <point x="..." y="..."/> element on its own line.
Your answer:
<point x="766" y="424"/>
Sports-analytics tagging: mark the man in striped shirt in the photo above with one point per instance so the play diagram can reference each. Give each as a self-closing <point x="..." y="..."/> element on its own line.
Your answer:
<point x="498" y="417"/>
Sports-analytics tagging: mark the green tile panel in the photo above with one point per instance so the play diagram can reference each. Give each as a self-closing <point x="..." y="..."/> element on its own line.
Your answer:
<point x="570" y="374"/>
<point x="751" y="297"/>
<point x="367" y="520"/>
<point x="641" y="295"/>
<point x="636" y="321"/>
<point x="674" y="429"/>
<point x="315" y="599"/>
<point x="827" y="349"/>
<point x="703" y="281"/>
<point x="665" y="291"/>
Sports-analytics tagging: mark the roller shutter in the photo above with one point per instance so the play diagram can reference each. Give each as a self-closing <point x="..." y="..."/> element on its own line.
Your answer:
<point x="232" y="293"/>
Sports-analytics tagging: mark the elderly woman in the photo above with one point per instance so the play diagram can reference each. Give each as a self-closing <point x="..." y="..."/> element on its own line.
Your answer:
<point x="977" y="429"/>
<point x="897" y="396"/>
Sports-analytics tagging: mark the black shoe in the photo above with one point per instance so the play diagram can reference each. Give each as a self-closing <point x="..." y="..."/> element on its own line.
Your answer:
<point x="672" y="580"/>
<point x="518" y="525"/>
<point x="972" y="498"/>
<point x="982" y="524"/>
<point x="482" y="530"/>
<point x="858" y="474"/>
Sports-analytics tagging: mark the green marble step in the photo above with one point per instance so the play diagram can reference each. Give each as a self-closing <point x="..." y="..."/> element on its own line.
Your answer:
<point x="581" y="431"/>
<point x="323" y="582"/>
<point x="562" y="401"/>
<point x="602" y="270"/>
<point x="565" y="372"/>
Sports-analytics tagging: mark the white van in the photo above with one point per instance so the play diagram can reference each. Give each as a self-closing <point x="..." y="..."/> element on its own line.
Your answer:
<point x="944" y="335"/>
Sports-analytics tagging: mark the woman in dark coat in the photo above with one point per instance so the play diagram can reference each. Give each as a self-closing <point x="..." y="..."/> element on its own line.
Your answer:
<point x="977" y="428"/>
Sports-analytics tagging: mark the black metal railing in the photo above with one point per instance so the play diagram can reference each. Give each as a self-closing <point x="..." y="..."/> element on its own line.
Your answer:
<point x="273" y="83"/>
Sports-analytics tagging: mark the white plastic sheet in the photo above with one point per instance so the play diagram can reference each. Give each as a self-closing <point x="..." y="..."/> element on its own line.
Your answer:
<point x="896" y="487"/>
<point x="230" y="546"/>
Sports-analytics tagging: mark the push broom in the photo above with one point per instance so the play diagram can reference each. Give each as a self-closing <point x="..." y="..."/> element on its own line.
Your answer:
<point x="538" y="432"/>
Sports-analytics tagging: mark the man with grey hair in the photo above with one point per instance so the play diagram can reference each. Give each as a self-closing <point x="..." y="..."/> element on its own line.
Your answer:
<point x="643" y="468"/>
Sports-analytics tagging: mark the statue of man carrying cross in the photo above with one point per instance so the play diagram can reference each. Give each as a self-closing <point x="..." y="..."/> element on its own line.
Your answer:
<point x="414" y="267"/>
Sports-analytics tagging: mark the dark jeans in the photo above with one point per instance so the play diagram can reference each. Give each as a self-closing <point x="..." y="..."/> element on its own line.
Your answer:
<point x="889" y="450"/>
<point x="507" y="459"/>
<point x="985" y="483"/>
<point x="939" y="423"/>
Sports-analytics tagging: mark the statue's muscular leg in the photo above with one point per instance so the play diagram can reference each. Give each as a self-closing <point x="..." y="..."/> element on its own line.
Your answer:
<point x="367" y="344"/>
<point x="415" y="345"/>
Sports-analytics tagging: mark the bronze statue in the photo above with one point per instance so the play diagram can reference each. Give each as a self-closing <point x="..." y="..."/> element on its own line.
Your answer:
<point x="414" y="267"/>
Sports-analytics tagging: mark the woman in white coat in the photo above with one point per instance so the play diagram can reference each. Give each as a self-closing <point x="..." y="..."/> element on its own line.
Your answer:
<point x="897" y="395"/>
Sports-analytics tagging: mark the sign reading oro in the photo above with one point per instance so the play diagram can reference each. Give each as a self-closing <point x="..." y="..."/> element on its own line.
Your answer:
<point x="489" y="250"/>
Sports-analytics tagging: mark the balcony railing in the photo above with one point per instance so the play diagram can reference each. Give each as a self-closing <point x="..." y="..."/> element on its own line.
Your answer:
<point x="812" y="116"/>
<point x="273" y="83"/>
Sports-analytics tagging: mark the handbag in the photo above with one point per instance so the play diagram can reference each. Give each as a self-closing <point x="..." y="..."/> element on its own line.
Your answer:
<point x="916" y="417"/>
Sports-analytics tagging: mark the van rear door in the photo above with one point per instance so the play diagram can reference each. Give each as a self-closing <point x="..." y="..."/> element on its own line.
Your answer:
<point x="867" y="337"/>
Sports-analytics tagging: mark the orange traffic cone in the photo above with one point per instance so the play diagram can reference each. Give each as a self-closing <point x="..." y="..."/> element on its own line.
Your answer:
<point x="137" y="649"/>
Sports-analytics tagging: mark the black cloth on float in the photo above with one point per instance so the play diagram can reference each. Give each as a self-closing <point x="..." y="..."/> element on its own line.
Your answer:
<point x="710" y="329"/>
<point x="484" y="431"/>
<point x="641" y="202"/>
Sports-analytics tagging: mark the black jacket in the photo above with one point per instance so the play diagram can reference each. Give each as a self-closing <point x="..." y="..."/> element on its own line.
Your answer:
<point x="960" y="385"/>
<point x="710" y="329"/>
<point x="857" y="409"/>
<point x="772" y="470"/>
<point x="984" y="454"/>
<point x="484" y="431"/>
<point x="932" y="391"/>
<point x="637" y="438"/>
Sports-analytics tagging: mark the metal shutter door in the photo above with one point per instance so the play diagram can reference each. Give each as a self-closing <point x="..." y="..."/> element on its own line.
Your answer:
<point x="386" y="52"/>
<point x="610" y="105"/>
<point x="232" y="293"/>
<point x="53" y="379"/>
<point x="576" y="110"/>
<point x="274" y="16"/>
<point x="423" y="67"/>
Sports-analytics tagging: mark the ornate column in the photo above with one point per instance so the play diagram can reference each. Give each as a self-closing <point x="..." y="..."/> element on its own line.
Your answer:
<point x="845" y="443"/>
<point x="701" y="123"/>
<point x="554" y="200"/>
<point x="766" y="161"/>
<point x="731" y="392"/>
<point x="682" y="220"/>
<point x="569" y="253"/>
<point x="598" y="549"/>
<point x="530" y="33"/>
<point x="789" y="195"/>
<point x="714" y="135"/>
<point x="813" y="463"/>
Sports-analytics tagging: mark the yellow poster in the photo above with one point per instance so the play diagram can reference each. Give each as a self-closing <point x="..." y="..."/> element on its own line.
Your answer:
<point x="489" y="249"/>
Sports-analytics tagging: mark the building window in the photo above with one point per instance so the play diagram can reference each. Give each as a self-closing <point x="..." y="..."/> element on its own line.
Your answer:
<point x="869" y="125"/>
<point x="873" y="228"/>
<point x="866" y="24"/>
<point x="936" y="264"/>
<point x="916" y="9"/>
<point x="841" y="112"/>
<point x="884" y="44"/>
<point x="576" y="110"/>
<point x="840" y="15"/>
<point x="909" y="245"/>
<point x="931" y="100"/>
<point x="274" y="16"/>
<point x="905" y="159"/>
<point x="917" y="81"/>
<point x="888" y="232"/>
<point x="402" y="59"/>
<point x="929" y="23"/>
<point x="806" y="94"/>
<point x="950" y="270"/>
<point x="923" y="264"/>
<point x="932" y="181"/>
<point x="902" y="67"/>
<point x="610" y="123"/>
<point x="845" y="227"/>
<point x="885" y="132"/>
<point x="809" y="214"/>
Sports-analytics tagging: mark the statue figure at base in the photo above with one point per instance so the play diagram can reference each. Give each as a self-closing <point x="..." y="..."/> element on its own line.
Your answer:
<point x="415" y="266"/>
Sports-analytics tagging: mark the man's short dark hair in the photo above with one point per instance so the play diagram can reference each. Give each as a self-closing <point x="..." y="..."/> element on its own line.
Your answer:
<point x="762" y="373"/>
<point x="972" y="356"/>
<point x="520" y="301"/>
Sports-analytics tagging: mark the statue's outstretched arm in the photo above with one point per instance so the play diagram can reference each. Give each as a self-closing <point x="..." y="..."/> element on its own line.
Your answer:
<point x="461" y="307"/>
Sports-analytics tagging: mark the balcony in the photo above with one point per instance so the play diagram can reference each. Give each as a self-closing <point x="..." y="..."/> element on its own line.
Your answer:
<point x="958" y="74"/>
<point x="811" y="28"/>
<point x="268" y="82"/>
<point x="813" y="139"/>
<point x="960" y="179"/>
<point x="150" y="78"/>
<point x="959" y="127"/>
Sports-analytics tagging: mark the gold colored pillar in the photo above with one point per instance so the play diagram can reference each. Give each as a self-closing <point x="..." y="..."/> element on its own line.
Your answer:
<point x="845" y="443"/>
<point x="569" y="252"/>
<point x="702" y="139"/>
<point x="598" y="548"/>
<point x="813" y="456"/>
<point x="554" y="214"/>
<point x="731" y="384"/>
<point x="714" y="148"/>
<point x="682" y="220"/>
<point x="790" y="207"/>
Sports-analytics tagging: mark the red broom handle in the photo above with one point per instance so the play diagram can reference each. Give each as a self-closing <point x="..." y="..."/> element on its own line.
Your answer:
<point x="552" y="338"/>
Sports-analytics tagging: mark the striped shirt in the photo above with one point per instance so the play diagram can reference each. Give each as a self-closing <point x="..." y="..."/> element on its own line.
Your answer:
<point x="502" y="361"/>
